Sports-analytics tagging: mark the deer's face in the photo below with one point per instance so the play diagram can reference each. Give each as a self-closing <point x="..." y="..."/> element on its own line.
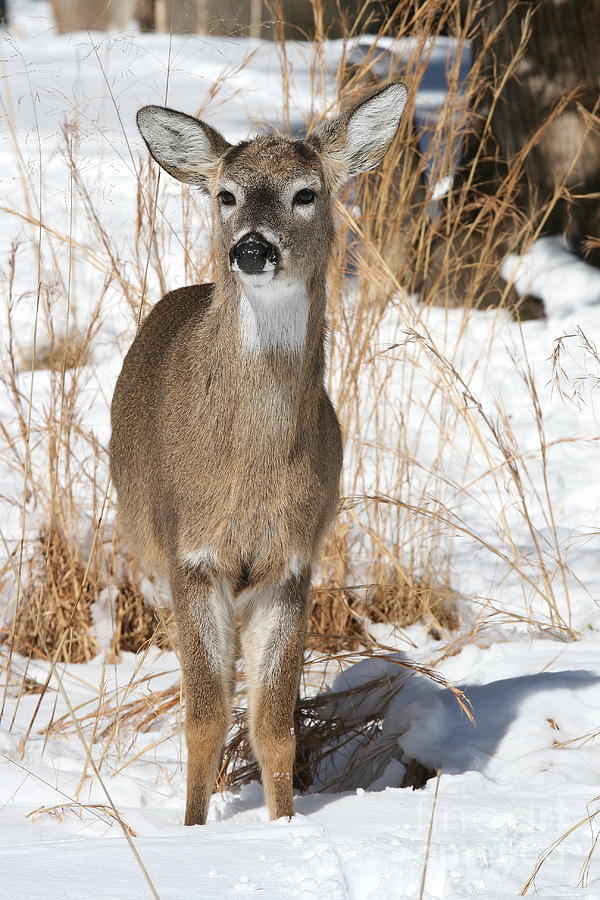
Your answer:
<point x="272" y="196"/>
<point x="272" y="206"/>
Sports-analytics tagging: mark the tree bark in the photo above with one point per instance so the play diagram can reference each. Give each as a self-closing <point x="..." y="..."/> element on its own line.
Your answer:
<point x="551" y="101"/>
<point x="254" y="18"/>
<point x="92" y="15"/>
<point x="145" y="13"/>
<point x="531" y="158"/>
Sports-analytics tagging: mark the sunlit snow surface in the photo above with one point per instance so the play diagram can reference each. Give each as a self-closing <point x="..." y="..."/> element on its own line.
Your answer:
<point x="508" y="788"/>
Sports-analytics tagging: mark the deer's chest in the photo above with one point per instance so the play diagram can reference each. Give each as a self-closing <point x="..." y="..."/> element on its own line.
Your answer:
<point x="250" y="496"/>
<point x="256" y="526"/>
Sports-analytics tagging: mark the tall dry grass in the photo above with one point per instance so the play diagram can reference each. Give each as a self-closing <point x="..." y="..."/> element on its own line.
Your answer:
<point x="407" y="395"/>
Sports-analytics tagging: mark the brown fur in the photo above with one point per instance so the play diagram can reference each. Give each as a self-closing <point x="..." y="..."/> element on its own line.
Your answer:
<point x="226" y="462"/>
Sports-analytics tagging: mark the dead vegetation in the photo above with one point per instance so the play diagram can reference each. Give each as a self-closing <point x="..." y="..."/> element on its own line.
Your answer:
<point x="403" y="602"/>
<point x="340" y="616"/>
<point x="53" y="619"/>
<point x="66" y="352"/>
<point x="331" y="743"/>
<point x="137" y="624"/>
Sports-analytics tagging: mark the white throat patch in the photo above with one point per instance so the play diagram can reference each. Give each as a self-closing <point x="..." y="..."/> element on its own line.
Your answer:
<point x="273" y="316"/>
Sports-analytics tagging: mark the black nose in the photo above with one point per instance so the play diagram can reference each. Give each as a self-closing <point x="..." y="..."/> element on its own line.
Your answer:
<point x="252" y="253"/>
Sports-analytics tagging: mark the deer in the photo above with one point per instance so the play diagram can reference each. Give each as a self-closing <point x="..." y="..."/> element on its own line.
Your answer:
<point x="226" y="451"/>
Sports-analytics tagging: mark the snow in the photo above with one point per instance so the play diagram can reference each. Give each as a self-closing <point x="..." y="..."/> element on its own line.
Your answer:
<point x="563" y="281"/>
<point x="529" y="768"/>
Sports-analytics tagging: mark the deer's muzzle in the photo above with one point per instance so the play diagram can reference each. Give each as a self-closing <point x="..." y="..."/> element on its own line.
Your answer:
<point x="253" y="254"/>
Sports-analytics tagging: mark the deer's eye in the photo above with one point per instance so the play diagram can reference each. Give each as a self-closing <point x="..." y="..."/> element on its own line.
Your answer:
<point x="226" y="198"/>
<point x="304" y="197"/>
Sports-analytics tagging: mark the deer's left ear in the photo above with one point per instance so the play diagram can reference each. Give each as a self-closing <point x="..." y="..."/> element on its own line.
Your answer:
<point x="359" y="138"/>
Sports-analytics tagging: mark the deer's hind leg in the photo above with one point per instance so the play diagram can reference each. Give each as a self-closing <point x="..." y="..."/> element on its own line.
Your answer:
<point x="207" y="646"/>
<point x="273" y="634"/>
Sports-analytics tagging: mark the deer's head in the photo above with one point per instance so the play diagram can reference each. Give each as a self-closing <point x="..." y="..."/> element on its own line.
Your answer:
<point x="273" y="196"/>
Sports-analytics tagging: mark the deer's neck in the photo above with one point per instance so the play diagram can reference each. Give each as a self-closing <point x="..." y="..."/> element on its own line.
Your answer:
<point x="271" y="341"/>
<point x="273" y="318"/>
<point x="280" y="324"/>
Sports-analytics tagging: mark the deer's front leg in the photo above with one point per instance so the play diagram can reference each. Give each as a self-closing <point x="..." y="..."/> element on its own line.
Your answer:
<point x="207" y="650"/>
<point x="273" y="633"/>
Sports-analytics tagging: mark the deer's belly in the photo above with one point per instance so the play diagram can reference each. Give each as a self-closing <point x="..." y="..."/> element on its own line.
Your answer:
<point x="249" y="564"/>
<point x="252" y="540"/>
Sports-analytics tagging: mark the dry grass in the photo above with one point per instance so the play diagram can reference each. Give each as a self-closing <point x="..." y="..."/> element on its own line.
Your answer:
<point x="400" y="601"/>
<point x="136" y="624"/>
<point x="340" y="616"/>
<point x="54" y="617"/>
<point x="334" y="623"/>
<point x="589" y="822"/>
<point x="326" y="734"/>
<point x="63" y="353"/>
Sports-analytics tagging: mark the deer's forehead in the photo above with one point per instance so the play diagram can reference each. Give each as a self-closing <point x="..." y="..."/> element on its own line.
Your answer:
<point x="275" y="161"/>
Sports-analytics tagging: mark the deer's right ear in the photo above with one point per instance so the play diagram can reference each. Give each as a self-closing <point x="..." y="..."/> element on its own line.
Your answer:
<point x="185" y="147"/>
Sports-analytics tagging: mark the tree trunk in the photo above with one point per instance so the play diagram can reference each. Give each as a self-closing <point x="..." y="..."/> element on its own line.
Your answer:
<point x="531" y="158"/>
<point x="255" y="18"/>
<point x="92" y="15"/>
<point x="550" y="100"/>
<point x="145" y="13"/>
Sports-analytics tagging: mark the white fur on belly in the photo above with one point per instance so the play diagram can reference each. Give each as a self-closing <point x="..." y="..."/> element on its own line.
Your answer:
<point x="273" y="316"/>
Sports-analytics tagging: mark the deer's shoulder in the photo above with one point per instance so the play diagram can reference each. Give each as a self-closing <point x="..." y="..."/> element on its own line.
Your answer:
<point x="177" y="307"/>
<point x="184" y="308"/>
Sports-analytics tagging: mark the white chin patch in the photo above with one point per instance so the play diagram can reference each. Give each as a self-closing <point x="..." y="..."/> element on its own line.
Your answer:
<point x="257" y="280"/>
<point x="273" y="313"/>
